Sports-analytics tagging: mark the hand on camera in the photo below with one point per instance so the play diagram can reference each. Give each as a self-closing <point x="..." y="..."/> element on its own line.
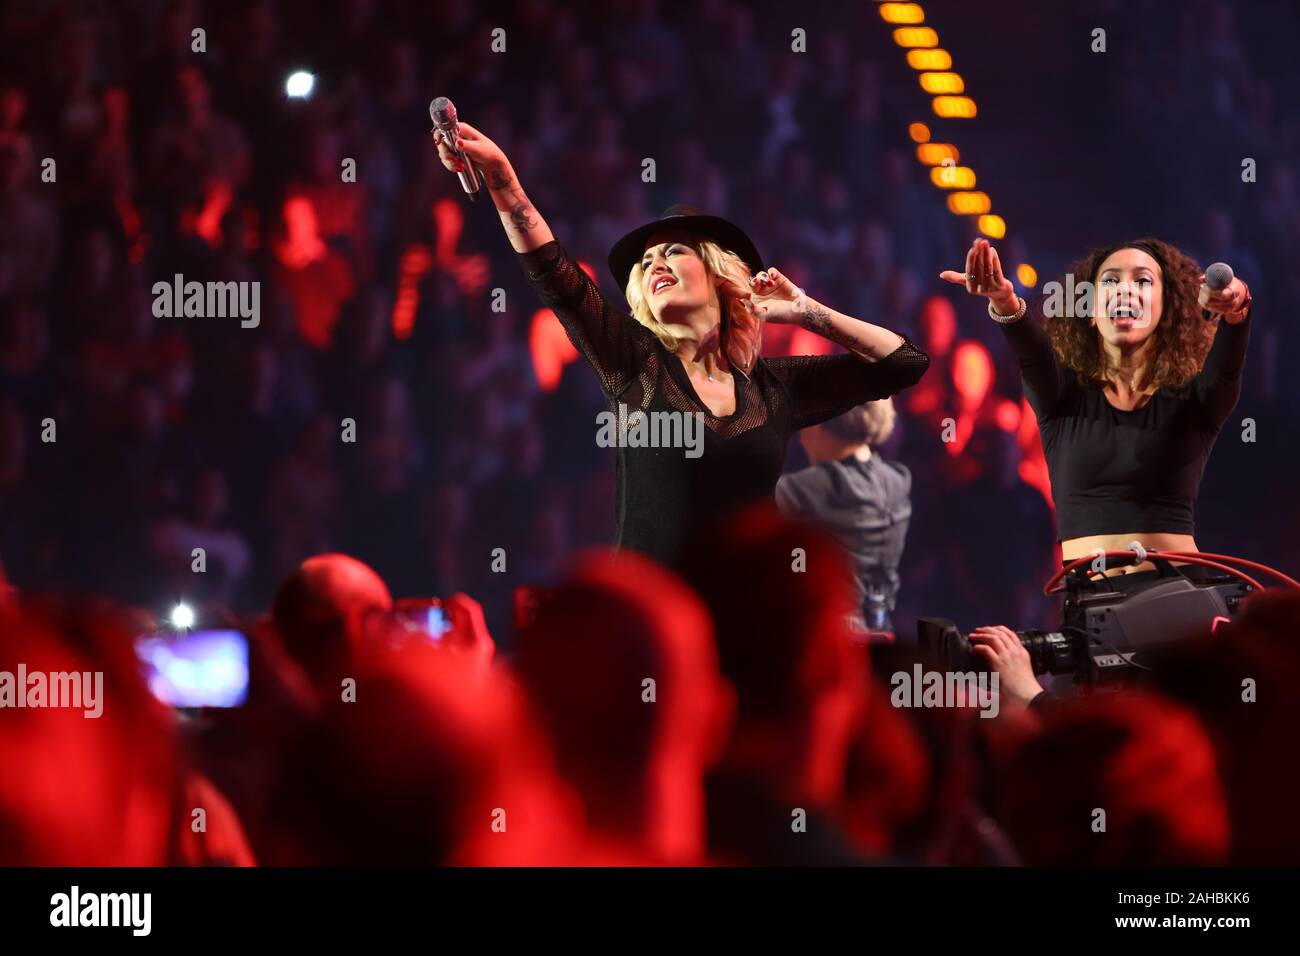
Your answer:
<point x="1000" y="648"/>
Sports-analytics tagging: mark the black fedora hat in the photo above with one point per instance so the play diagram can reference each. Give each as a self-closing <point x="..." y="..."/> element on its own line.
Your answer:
<point x="628" y="250"/>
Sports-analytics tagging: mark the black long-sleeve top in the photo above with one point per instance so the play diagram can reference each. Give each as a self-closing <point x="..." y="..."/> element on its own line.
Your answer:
<point x="661" y="494"/>
<point x="1116" y="471"/>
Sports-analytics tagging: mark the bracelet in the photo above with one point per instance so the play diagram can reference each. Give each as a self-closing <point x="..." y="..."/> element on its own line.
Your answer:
<point x="1244" y="311"/>
<point x="1008" y="319"/>
<point x="797" y="303"/>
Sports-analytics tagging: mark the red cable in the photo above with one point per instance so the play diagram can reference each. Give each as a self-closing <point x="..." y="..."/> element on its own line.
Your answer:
<point x="1255" y="565"/>
<point x="1195" y="558"/>
<point x="1189" y="557"/>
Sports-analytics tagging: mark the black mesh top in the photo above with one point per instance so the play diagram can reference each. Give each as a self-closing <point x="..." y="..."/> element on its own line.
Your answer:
<point x="661" y="494"/>
<point x="1122" y="472"/>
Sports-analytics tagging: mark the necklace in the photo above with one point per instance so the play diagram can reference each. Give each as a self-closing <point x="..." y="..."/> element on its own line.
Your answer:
<point x="709" y="375"/>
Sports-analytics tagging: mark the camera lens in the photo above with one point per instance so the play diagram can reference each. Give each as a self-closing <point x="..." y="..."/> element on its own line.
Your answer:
<point x="1050" y="652"/>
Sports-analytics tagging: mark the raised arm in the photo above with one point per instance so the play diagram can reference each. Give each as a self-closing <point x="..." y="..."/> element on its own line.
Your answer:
<point x="613" y="343"/>
<point x="777" y="299"/>
<point x="1043" y="377"/>
<point x="1218" y="384"/>
<point x="881" y="363"/>
<point x="824" y="386"/>
<point x="524" y="225"/>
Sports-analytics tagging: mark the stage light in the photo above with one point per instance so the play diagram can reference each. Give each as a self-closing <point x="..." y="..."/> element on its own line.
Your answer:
<point x="942" y="82"/>
<point x="415" y="262"/>
<point x="182" y="617"/>
<point x="934" y="64"/>
<point x="299" y="84"/>
<point x="902" y="13"/>
<point x="936" y="59"/>
<point x="954" y="107"/>
<point x="933" y="154"/>
<point x="969" y="204"/>
<point x="953" y="177"/>
<point x="1008" y="415"/>
<point x="915" y="37"/>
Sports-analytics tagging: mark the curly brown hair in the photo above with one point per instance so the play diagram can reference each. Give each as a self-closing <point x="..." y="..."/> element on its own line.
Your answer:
<point x="1182" y="337"/>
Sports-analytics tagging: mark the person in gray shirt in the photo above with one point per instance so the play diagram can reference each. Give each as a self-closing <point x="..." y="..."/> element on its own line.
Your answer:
<point x="861" y="497"/>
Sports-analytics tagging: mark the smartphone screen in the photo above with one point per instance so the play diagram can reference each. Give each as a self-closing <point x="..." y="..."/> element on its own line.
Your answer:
<point x="196" y="668"/>
<point x="437" y="622"/>
<point x="422" y="617"/>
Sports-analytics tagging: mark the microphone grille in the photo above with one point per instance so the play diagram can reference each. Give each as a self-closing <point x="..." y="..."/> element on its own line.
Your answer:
<point x="441" y="109"/>
<point x="1218" y="276"/>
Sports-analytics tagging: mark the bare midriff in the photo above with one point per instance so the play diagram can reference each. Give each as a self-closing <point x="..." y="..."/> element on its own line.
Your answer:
<point x="1074" y="548"/>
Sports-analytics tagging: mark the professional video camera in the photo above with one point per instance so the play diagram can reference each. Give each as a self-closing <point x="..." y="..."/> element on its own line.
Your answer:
<point x="1106" y="633"/>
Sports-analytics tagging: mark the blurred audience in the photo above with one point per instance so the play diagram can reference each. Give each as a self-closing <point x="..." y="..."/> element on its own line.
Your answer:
<point x="428" y="765"/>
<point x="1120" y="779"/>
<point x="321" y="613"/>
<point x="621" y="663"/>
<point x="644" y="721"/>
<point x="781" y="593"/>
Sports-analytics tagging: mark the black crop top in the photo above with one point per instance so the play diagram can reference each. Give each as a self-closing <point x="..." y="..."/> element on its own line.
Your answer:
<point x="1118" y="472"/>
<point x="661" y="493"/>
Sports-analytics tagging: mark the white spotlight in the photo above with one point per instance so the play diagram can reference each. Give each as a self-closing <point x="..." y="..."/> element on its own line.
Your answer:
<point x="299" y="84"/>
<point x="182" y="617"/>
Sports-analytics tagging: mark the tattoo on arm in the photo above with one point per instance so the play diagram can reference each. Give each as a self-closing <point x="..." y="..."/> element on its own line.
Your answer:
<point x="497" y="178"/>
<point x="520" y="216"/>
<point x="818" y="320"/>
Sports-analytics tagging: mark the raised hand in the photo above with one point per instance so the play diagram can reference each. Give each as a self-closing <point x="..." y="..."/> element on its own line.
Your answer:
<point x="983" y="276"/>
<point x="1229" y="302"/>
<point x="468" y="633"/>
<point x="775" y="298"/>
<point x="481" y="150"/>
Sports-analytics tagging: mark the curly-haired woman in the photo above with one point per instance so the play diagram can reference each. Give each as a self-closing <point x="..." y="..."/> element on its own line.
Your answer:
<point x="1130" y="395"/>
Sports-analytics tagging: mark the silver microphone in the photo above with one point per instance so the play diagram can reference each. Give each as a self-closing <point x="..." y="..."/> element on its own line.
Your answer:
<point x="1218" y="276"/>
<point x="443" y="113"/>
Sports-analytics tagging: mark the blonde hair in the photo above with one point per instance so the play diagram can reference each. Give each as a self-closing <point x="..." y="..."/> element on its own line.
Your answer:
<point x="870" y="422"/>
<point x="742" y="330"/>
